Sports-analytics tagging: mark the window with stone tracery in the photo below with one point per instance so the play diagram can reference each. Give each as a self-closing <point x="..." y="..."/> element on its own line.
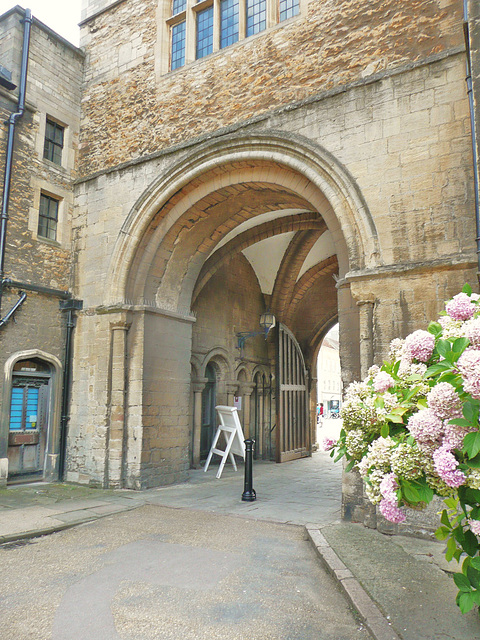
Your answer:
<point x="200" y="27"/>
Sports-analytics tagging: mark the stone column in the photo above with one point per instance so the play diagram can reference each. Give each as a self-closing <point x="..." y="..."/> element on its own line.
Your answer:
<point x="366" y="335"/>
<point x="313" y="412"/>
<point x="232" y="390"/>
<point x="117" y="443"/>
<point x="198" y="387"/>
<point x="246" y="390"/>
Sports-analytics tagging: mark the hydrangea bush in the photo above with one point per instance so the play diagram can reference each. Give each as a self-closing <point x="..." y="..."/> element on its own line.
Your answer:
<point x="411" y="429"/>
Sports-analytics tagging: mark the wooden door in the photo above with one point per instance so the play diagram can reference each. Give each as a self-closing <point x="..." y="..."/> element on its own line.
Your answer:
<point x="293" y="429"/>
<point x="28" y="425"/>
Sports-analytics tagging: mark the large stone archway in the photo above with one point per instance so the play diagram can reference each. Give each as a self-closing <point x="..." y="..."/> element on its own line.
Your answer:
<point x="229" y="230"/>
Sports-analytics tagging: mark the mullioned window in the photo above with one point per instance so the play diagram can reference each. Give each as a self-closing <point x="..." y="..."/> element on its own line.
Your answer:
<point x="200" y="27"/>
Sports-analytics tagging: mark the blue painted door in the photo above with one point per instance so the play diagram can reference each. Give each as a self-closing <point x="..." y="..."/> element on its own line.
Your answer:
<point x="28" y="426"/>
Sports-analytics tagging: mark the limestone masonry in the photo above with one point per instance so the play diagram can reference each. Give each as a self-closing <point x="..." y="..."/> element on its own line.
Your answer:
<point x="222" y="160"/>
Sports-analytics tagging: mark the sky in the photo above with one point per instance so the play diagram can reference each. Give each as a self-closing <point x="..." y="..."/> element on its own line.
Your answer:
<point x="62" y="16"/>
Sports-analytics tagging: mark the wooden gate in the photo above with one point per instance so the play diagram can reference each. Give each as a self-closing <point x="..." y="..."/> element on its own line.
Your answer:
<point x="293" y="428"/>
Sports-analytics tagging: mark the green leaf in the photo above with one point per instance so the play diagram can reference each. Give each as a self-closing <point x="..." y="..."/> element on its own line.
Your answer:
<point x="474" y="463"/>
<point x="442" y="533"/>
<point x="475" y="562"/>
<point x="471" y="444"/>
<point x="409" y="395"/>
<point x="415" y="377"/>
<point x="467" y="289"/>
<point x="471" y="410"/>
<point x="474" y="577"/>
<point x="443" y="348"/>
<point x="460" y="422"/>
<point x="445" y="519"/>
<point x="435" y="329"/>
<point x="451" y="503"/>
<point x="435" y="369"/>
<point x="457" y="555"/>
<point x="475" y="513"/>
<point x="460" y="344"/>
<point x="451" y="378"/>
<point x="424" y="491"/>
<point x="451" y="548"/>
<point x="379" y="402"/>
<point x="462" y="582"/>
<point x="409" y="492"/>
<point x="350" y="466"/>
<point x="385" y="430"/>
<point x="470" y="543"/>
<point x="466" y="601"/>
<point x="392" y="417"/>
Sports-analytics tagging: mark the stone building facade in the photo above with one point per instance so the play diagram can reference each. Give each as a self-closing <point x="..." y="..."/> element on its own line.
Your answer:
<point x="308" y="158"/>
<point x="37" y="258"/>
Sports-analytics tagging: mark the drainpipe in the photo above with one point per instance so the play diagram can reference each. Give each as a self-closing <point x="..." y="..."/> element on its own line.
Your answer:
<point x="27" y="22"/>
<point x="17" y="305"/>
<point x="469" y="81"/>
<point x="69" y="306"/>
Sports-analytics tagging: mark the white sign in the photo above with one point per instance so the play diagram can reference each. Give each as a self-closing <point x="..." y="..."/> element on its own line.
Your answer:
<point x="232" y="431"/>
<point x="237" y="402"/>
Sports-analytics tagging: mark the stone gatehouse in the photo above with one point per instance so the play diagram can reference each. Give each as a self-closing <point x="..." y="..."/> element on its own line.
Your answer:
<point x="307" y="158"/>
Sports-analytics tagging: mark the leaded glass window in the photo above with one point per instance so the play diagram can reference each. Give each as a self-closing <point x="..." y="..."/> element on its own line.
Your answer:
<point x="178" y="45"/>
<point x="205" y="32"/>
<point x="228" y="22"/>
<point x="288" y="9"/>
<point x="256" y="16"/>
<point x="178" y="6"/>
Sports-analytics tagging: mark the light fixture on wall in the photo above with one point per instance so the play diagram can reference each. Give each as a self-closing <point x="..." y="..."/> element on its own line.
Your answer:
<point x="267" y="322"/>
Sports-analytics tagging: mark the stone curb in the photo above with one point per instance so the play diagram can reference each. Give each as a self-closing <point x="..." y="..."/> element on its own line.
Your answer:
<point x="371" y="615"/>
<point x="46" y="531"/>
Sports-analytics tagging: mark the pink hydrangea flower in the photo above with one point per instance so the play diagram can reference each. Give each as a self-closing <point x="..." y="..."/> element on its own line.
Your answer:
<point x="475" y="526"/>
<point x="420" y="345"/>
<point x="472" y="332"/>
<point x="446" y="466"/>
<point x="444" y="401"/>
<point x="328" y="444"/>
<point x="469" y="366"/>
<point x="391" y="512"/>
<point x="382" y="382"/>
<point x="388" y="487"/>
<point x="425" y="426"/>
<point x="460" y="307"/>
<point x="454" y="436"/>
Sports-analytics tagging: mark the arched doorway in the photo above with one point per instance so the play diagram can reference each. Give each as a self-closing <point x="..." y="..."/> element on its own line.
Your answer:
<point x="209" y="395"/>
<point x="264" y="416"/>
<point x="236" y="228"/>
<point x="29" y="418"/>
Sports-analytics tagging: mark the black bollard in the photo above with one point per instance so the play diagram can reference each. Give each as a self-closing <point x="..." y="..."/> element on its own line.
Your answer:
<point x="249" y="494"/>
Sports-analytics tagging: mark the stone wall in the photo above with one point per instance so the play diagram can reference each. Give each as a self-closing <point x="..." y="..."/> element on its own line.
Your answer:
<point x="53" y="89"/>
<point x="329" y="46"/>
<point x="365" y="112"/>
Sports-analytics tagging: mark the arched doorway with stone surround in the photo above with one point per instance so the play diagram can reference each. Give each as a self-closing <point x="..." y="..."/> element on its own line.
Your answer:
<point x="240" y="225"/>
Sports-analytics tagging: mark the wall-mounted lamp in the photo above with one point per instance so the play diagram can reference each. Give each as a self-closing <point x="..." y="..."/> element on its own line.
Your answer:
<point x="267" y="322"/>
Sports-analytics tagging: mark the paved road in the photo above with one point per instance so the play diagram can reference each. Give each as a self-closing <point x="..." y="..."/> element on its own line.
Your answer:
<point x="171" y="574"/>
